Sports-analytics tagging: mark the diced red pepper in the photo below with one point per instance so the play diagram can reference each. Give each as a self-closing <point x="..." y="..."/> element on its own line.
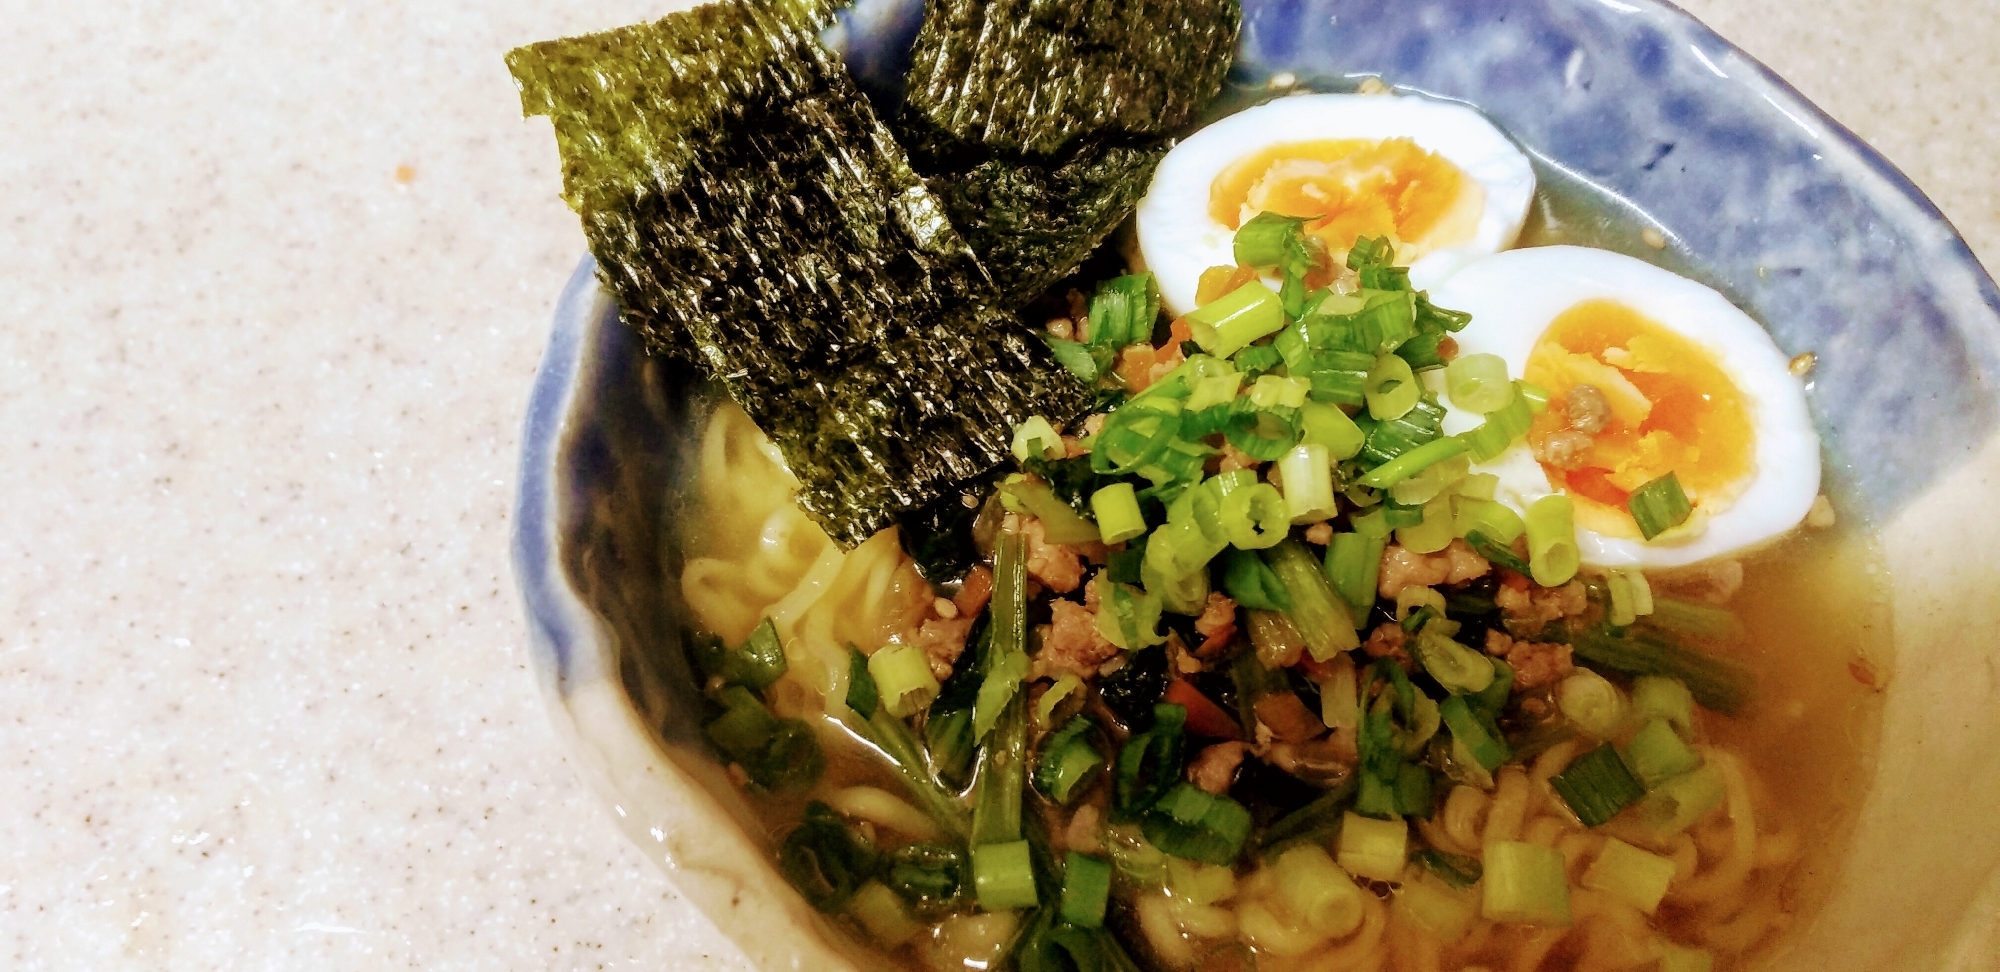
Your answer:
<point x="1204" y="718"/>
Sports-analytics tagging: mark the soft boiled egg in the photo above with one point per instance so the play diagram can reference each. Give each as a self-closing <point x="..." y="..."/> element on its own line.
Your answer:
<point x="1437" y="178"/>
<point x="1684" y="382"/>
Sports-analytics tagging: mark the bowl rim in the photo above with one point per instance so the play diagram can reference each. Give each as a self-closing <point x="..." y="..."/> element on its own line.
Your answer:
<point x="570" y="646"/>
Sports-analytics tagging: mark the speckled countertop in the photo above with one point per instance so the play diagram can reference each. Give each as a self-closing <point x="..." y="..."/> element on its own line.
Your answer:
<point x="273" y="281"/>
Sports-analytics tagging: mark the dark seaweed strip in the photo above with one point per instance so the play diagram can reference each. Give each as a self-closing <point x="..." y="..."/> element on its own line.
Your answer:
<point x="752" y="214"/>
<point x="1038" y="122"/>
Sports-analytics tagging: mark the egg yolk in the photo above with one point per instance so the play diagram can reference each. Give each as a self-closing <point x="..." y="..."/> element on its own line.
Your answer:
<point x="1356" y="188"/>
<point x="1667" y="406"/>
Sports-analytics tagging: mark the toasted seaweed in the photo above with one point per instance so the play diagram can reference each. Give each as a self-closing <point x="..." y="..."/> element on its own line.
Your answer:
<point x="752" y="214"/>
<point x="1039" y="122"/>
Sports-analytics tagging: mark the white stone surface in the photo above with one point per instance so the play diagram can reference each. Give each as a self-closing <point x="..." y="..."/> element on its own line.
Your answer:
<point x="264" y="701"/>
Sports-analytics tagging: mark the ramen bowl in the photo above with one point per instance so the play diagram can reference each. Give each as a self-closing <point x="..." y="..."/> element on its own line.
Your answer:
<point x="1751" y="190"/>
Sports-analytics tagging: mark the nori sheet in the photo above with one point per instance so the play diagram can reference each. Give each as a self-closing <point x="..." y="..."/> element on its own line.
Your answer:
<point x="751" y="213"/>
<point x="1039" y="122"/>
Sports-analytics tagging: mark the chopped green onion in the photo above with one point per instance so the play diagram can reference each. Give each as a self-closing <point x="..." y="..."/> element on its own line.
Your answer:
<point x="1074" y="357"/>
<point x="1658" y="697"/>
<point x="1353" y="562"/>
<point x="883" y="914"/>
<point x="926" y="875"/>
<point x="1134" y="434"/>
<point x="1371" y="251"/>
<point x="1457" y="870"/>
<point x="1443" y="476"/>
<point x="1552" y="554"/>
<point x="1260" y="432"/>
<point x="1423" y="351"/>
<point x="1231" y="322"/>
<point x="1656" y="754"/>
<point x="826" y="859"/>
<point x="1257" y="359"/>
<point x="862" y="694"/>
<point x="1457" y="668"/>
<point x="1214" y="390"/>
<point x="1659" y="506"/>
<point x="1485" y="747"/>
<point x="1536" y="397"/>
<point x="948" y="736"/>
<point x="1502" y="427"/>
<point x="1597" y="785"/>
<point x="893" y="737"/>
<point x="1060" y="523"/>
<point x="1322" y="618"/>
<point x="1308" y="477"/>
<point x="1004" y="876"/>
<point x="1410" y="463"/>
<point x="1149" y="764"/>
<point x="1681" y="802"/>
<point x="1714" y="682"/>
<point x="1252" y="584"/>
<point x="1191" y="823"/>
<point x="1186" y="595"/>
<point x="1373" y="849"/>
<point x="1593" y="704"/>
<point x="1392" y="388"/>
<point x="1123" y="310"/>
<point x="1478" y="383"/>
<point x="1489" y="702"/>
<point x="1129" y="618"/>
<point x="1525" y="884"/>
<point x="1181" y="547"/>
<point x="1338" y="377"/>
<point x="1634" y="876"/>
<point x="1432" y="315"/>
<point x="1254" y="514"/>
<point x="1374" y="524"/>
<point x="758" y="662"/>
<point x="1479" y="486"/>
<point x="1387" y="319"/>
<point x="1266" y="239"/>
<point x="1272" y="390"/>
<point x="745" y="725"/>
<point x="1067" y="760"/>
<point x="1494" y="552"/>
<point x="1117" y="511"/>
<point x="1434" y="532"/>
<point x="1086" y="889"/>
<point x="1496" y="521"/>
<point x="1035" y="438"/>
<point x="1326" y="425"/>
<point x="1387" y="440"/>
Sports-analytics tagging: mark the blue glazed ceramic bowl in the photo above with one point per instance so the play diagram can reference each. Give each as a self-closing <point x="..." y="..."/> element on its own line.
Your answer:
<point x="1758" y="193"/>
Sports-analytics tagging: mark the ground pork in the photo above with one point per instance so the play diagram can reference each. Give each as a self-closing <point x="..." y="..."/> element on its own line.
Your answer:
<point x="1217" y="625"/>
<point x="1403" y="568"/>
<point x="1320" y="533"/>
<point x="1214" y="770"/>
<point x="1529" y="608"/>
<point x="1589" y="413"/>
<point x="1073" y="643"/>
<point x="1081" y="834"/>
<point x="1386" y="641"/>
<point x="1234" y="459"/>
<point x="943" y="640"/>
<point x="1536" y="664"/>
<point x="1563" y="450"/>
<point x="1053" y="565"/>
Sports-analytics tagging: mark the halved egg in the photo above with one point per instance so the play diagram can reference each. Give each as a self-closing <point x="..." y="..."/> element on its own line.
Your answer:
<point x="1437" y="178"/>
<point x="1648" y="372"/>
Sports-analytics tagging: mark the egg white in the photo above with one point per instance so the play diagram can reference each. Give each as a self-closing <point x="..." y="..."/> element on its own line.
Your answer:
<point x="1178" y="239"/>
<point x="1514" y="296"/>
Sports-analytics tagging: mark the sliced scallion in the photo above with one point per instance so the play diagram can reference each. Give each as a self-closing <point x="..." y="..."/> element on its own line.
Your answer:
<point x="1478" y="383"/>
<point x="1086" y="889"/>
<point x="1485" y="748"/>
<point x="1117" y="511"/>
<point x="1323" y="618"/>
<point x="1123" y="309"/>
<point x="1196" y="825"/>
<point x="1659" y="506"/>
<point x="1412" y="462"/>
<point x="1353" y="563"/>
<point x="1004" y="876"/>
<point x="1392" y="388"/>
<point x="1236" y="319"/>
<point x="1597" y="785"/>
<point x="1552" y="552"/>
<point x="1308" y="474"/>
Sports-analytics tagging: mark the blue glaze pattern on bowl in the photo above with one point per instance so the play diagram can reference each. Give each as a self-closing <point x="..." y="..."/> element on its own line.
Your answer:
<point x="1759" y="194"/>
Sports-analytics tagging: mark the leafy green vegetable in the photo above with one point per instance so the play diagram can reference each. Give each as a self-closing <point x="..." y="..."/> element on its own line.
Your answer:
<point x="752" y="215"/>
